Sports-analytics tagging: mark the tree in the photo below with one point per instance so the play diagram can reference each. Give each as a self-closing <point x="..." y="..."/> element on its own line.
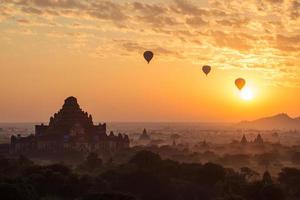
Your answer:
<point x="109" y="196"/>
<point x="93" y="161"/>
<point x="24" y="161"/>
<point x="289" y="178"/>
<point x="146" y="159"/>
<point x="267" y="179"/>
<point x="210" y="174"/>
<point x="230" y="197"/>
<point x="16" y="190"/>
<point x="248" y="173"/>
<point x="296" y="158"/>
<point x="266" y="159"/>
<point x="272" y="192"/>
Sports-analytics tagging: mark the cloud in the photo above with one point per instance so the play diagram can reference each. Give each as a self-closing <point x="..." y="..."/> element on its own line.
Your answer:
<point x="241" y="33"/>
<point x="196" y="21"/>
<point x="234" y="41"/>
<point x="53" y="3"/>
<point x="295" y="9"/>
<point x="23" y="21"/>
<point x="132" y="46"/>
<point x="106" y="10"/>
<point x="147" y="9"/>
<point x="187" y="8"/>
<point x="31" y="10"/>
<point x="275" y="1"/>
<point x="295" y="39"/>
<point x="288" y="43"/>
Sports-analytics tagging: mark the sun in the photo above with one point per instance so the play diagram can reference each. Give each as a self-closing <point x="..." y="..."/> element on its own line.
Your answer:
<point x="247" y="94"/>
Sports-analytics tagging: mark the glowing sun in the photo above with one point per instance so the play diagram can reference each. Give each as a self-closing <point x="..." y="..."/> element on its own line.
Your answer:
<point x="247" y="94"/>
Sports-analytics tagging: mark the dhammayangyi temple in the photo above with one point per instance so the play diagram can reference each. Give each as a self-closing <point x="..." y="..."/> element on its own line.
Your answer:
<point x="70" y="130"/>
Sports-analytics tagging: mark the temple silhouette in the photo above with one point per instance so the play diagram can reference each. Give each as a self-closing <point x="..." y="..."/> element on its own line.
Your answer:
<point x="257" y="141"/>
<point x="70" y="129"/>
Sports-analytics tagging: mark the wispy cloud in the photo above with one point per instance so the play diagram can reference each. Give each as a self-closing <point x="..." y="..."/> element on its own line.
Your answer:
<point x="244" y="34"/>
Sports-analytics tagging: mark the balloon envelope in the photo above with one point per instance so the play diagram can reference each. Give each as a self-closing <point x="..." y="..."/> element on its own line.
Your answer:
<point x="240" y="83"/>
<point x="206" y="69"/>
<point x="148" y="55"/>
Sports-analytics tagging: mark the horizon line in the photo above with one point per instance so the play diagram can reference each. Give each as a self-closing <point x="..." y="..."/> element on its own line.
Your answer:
<point x="133" y="121"/>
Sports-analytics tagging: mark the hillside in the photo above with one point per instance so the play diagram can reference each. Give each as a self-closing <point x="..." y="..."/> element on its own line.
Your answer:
<point x="280" y="121"/>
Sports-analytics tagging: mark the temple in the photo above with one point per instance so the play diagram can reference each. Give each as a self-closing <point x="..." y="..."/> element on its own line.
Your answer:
<point x="257" y="141"/>
<point x="70" y="129"/>
<point x="244" y="140"/>
<point x="144" y="135"/>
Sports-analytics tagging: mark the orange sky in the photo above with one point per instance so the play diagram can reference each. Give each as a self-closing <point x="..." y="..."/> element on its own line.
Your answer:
<point x="51" y="49"/>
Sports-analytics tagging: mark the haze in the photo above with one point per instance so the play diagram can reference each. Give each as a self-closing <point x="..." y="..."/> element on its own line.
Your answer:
<point x="50" y="50"/>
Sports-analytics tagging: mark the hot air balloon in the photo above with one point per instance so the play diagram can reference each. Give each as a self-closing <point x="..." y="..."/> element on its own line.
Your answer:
<point x="148" y="55"/>
<point x="240" y="83"/>
<point x="206" y="69"/>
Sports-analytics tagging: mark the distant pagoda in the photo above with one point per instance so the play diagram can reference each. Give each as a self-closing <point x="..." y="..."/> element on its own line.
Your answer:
<point x="70" y="129"/>
<point x="258" y="140"/>
<point x="144" y="135"/>
<point x="244" y="140"/>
